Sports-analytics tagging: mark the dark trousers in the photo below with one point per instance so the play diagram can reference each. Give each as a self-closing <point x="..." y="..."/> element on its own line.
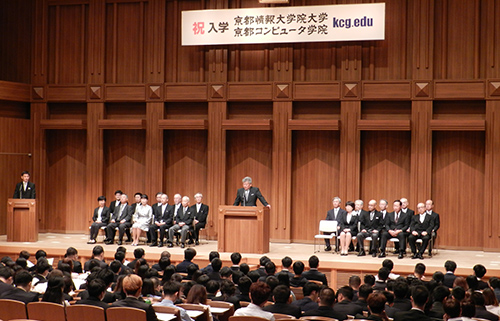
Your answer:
<point x="412" y="239"/>
<point x="386" y="236"/>
<point x="94" y="229"/>
<point x="110" y="230"/>
<point x="361" y="239"/>
<point x="196" y="231"/>
<point x="153" y="232"/>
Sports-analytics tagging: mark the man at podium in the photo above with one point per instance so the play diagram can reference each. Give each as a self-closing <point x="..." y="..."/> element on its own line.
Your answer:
<point x="25" y="189"/>
<point x="248" y="195"/>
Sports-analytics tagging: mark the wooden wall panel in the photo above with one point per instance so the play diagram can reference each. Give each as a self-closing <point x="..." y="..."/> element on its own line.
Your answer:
<point x="67" y="44"/>
<point x="124" y="42"/>
<point x="124" y="162"/>
<point x="16" y="22"/>
<point x="385" y="165"/>
<point x="248" y="153"/>
<point x="315" y="62"/>
<point x="185" y="164"/>
<point x="458" y="160"/>
<point x="66" y="172"/>
<point x="315" y="180"/>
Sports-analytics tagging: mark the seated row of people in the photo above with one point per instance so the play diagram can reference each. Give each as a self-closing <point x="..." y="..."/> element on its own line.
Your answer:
<point x="162" y="218"/>
<point x="401" y="224"/>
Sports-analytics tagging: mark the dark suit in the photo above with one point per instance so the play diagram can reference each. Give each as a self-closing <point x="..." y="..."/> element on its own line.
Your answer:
<point x="305" y="304"/>
<point x="412" y="315"/>
<point x="253" y="195"/>
<point x="314" y="274"/>
<point x="371" y="222"/>
<point x="403" y="223"/>
<point x="19" y="294"/>
<point x="352" y="225"/>
<point x="482" y="313"/>
<point x="93" y="301"/>
<point x="94" y="228"/>
<point x="112" y="206"/>
<point x="419" y="227"/>
<point x="201" y="217"/>
<point x="437" y="224"/>
<point x="131" y="302"/>
<point x="125" y="216"/>
<point x="183" y="215"/>
<point x="86" y="265"/>
<point x="298" y="281"/>
<point x="330" y="216"/>
<point x="284" y="308"/>
<point x="29" y="192"/>
<point x="348" y="307"/>
<point x="77" y="266"/>
<point x="182" y="267"/>
<point x="167" y="217"/>
<point x="402" y="304"/>
<point x="449" y="278"/>
<point x="324" y="311"/>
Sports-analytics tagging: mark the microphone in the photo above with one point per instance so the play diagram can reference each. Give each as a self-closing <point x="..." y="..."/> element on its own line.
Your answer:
<point x="244" y="199"/>
<point x="21" y="191"/>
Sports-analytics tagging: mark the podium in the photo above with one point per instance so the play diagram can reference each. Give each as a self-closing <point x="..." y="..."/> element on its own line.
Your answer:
<point x="243" y="229"/>
<point x="22" y="221"/>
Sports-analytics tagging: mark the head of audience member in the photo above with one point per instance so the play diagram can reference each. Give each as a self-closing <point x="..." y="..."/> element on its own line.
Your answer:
<point x="419" y="297"/>
<point x="71" y="253"/>
<point x="336" y="202"/>
<point x="286" y="262"/>
<point x="383" y="274"/>
<point x="372" y="205"/>
<point x="494" y="282"/>
<point x="21" y="263"/>
<point x="477" y="298"/>
<point x="429" y="205"/>
<point x="186" y="287"/>
<point x="364" y="291"/>
<point x="438" y="277"/>
<point x="387" y="263"/>
<point x="244" y="268"/>
<point x="24" y="254"/>
<point x="283" y="278"/>
<point x="120" y="256"/>
<point x="203" y="280"/>
<point x="313" y="262"/>
<point x="227" y="288"/>
<point x="327" y="297"/>
<point x="358" y="205"/>
<point x="489" y="297"/>
<point x="450" y="266"/>
<point x="311" y="290"/>
<point x="42" y="267"/>
<point x="472" y="282"/>
<point x="396" y="206"/>
<point x="226" y="273"/>
<point x="40" y="254"/>
<point x="369" y="279"/>
<point x="212" y="255"/>
<point x="97" y="288"/>
<point x="6" y="274"/>
<point x="281" y="294"/>
<point x="468" y="308"/>
<point x="419" y="270"/>
<point x="171" y="290"/>
<point x="236" y="258"/>
<point x="354" y="282"/>
<point x="118" y="195"/>
<point x="382" y="205"/>
<point x="23" y="279"/>
<point x="404" y="203"/>
<point x="462" y="282"/>
<point x="98" y="252"/>
<point x="124" y="199"/>
<point x="139" y="253"/>
<point x="298" y="268"/>
<point x="389" y="297"/>
<point x="197" y="295"/>
<point x="400" y="289"/>
<point x="270" y="268"/>
<point x="148" y="287"/>
<point x="189" y="254"/>
<point x="272" y="281"/>
<point x="244" y="284"/>
<point x="115" y="266"/>
<point x="247" y="183"/>
<point x="458" y="293"/>
<point x="479" y="270"/>
<point x="168" y="272"/>
<point x="451" y="309"/>
<point x="66" y="265"/>
<point x="263" y="260"/>
<point x="345" y="293"/>
<point x="376" y="303"/>
<point x="254" y="276"/>
<point x="177" y="199"/>
<point x="259" y="293"/>
<point x="440" y="293"/>
<point x="132" y="285"/>
<point x="54" y="291"/>
<point x="212" y="287"/>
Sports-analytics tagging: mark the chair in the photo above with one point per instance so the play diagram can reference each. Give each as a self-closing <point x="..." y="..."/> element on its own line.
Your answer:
<point x="315" y="281"/>
<point x="11" y="309"/>
<point x="122" y="313"/>
<point x="83" y="312"/>
<point x="196" y="307"/>
<point x="226" y="309"/>
<point x="317" y="318"/>
<point x="278" y="316"/>
<point x="170" y="310"/>
<point x="244" y="304"/>
<point x="46" y="311"/>
<point x="268" y="303"/>
<point x="350" y="317"/>
<point x="246" y="318"/>
<point x="299" y="293"/>
<point x="394" y="240"/>
<point x="325" y="226"/>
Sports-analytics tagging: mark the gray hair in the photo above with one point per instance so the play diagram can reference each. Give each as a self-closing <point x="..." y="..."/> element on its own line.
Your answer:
<point x="383" y="200"/>
<point x="165" y="195"/>
<point x="198" y="194"/>
<point x="336" y="198"/>
<point x="247" y="179"/>
<point x="359" y="202"/>
<point x="187" y="197"/>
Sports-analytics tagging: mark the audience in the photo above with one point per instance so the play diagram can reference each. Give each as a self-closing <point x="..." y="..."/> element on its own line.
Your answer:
<point x="344" y="302"/>
<point x="21" y="292"/>
<point x="449" y="277"/>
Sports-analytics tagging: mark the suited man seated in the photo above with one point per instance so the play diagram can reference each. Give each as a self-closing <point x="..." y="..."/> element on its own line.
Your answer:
<point x="100" y="219"/>
<point x="376" y="306"/>
<point x="419" y="297"/>
<point x="344" y="302"/>
<point x="397" y="223"/>
<point x="25" y="188"/>
<point x="313" y="273"/>
<point x="370" y="226"/>
<point x="21" y="292"/>
<point x="449" y="276"/>
<point x="325" y="309"/>
<point x="420" y="228"/>
<point x="182" y="222"/>
<point x="311" y="294"/>
<point x="200" y="211"/>
<point x="132" y="287"/>
<point x="334" y="215"/>
<point x="163" y="220"/>
<point x="248" y="195"/>
<point x="281" y="295"/>
<point x="121" y="219"/>
<point x="96" y="290"/>
<point x="429" y="208"/>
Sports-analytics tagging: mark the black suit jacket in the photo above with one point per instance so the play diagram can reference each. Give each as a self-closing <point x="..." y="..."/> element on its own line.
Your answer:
<point x="201" y="216"/>
<point x="402" y="224"/>
<point x="131" y="302"/>
<point x="253" y="195"/>
<point x="77" y="266"/>
<point x="112" y="206"/>
<point x="427" y="225"/>
<point x="166" y="217"/>
<point x="94" y="301"/>
<point x="412" y="315"/>
<point x="30" y="191"/>
<point x="127" y="213"/>
<point x="19" y="294"/>
<point x="187" y="217"/>
<point x="104" y="214"/>
<point x="370" y="225"/>
<point x="383" y="219"/>
<point x="314" y="274"/>
<point x="448" y="280"/>
<point x="352" y="225"/>
<point x="410" y="212"/>
<point x="330" y="215"/>
<point x="284" y="308"/>
<point x="324" y="311"/>
<point x="348" y="307"/>
<point x="436" y="221"/>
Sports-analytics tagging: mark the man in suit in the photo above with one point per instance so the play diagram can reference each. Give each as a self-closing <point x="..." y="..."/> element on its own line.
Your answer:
<point x="132" y="286"/>
<point x="396" y="224"/>
<point x="189" y="255"/>
<point x="154" y="208"/>
<point x="116" y="202"/>
<point x="281" y="295"/>
<point x="22" y="290"/>
<point x="25" y="189"/>
<point x="313" y="273"/>
<point x="405" y="209"/>
<point x="419" y="297"/>
<point x="200" y="211"/>
<point x="359" y="204"/>
<point x="325" y="309"/>
<point x="248" y="195"/>
<point x="96" y="290"/>
<point x="72" y="254"/>
<point x="344" y="302"/>
<point x="100" y="219"/>
<point x="163" y="219"/>
<point x="370" y="226"/>
<point x="429" y="208"/>
<point x="311" y="294"/>
<point x="334" y="215"/>
<point x="182" y="222"/>
<point x="420" y="228"/>
<point x="120" y="219"/>
<point x="171" y="293"/>
<point x="449" y="276"/>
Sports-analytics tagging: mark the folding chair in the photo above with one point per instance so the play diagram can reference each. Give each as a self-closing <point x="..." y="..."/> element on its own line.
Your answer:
<point x="326" y="226"/>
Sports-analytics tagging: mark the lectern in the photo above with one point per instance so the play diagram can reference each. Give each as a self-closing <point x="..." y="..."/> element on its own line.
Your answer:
<point x="243" y="229"/>
<point x="22" y="221"/>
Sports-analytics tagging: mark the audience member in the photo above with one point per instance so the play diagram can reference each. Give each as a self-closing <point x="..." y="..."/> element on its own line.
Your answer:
<point x="298" y="280"/>
<point x="132" y="286"/>
<point x="449" y="277"/>
<point x="419" y="297"/>
<point x="480" y="272"/>
<point x="376" y="305"/>
<point x="313" y="273"/>
<point x="97" y="290"/>
<point x="481" y="312"/>
<point x="281" y="298"/>
<point x="491" y="302"/>
<point x="212" y="255"/>
<point x="325" y="308"/>
<point x="228" y="289"/>
<point x="311" y="294"/>
<point x="189" y="255"/>
<point x="259" y="293"/>
<point x="21" y="292"/>
<point x="171" y="293"/>
<point x="98" y="255"/>
<point x="344" y="303"/>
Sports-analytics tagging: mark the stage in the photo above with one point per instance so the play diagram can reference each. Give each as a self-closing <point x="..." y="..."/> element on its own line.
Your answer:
<point x="338" y="268"/>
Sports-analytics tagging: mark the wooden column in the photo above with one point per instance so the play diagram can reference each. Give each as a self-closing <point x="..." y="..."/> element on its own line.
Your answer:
<point x="38" y="113"/>
<point x="421" y="152"/>
<point x="349" y="186"/>
<point x="95" y="157"/>
<point x="282" y="173"/>
<point x="154" y="150"/>
<point x="216" y="163"/>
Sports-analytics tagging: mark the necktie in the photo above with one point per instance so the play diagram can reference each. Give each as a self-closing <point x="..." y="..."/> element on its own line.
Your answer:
<point x="121" y="210"/>
<point x="184" y="210"/>
<point x="246" y="195"/>
<point x="371" y="216"/>
<point x="397" y="218"/>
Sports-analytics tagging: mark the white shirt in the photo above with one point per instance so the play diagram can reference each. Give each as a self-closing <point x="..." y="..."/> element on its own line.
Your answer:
<point x="404" y="210"/>
<point x="99" y="212"/>
<point x="422" y="217"/>
<point x="25" y="185"/>
<point x="253" y="310"/>
<point x="198" y="206"/>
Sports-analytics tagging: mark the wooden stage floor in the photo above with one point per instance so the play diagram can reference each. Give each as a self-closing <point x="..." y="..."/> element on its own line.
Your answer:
<point x="338" y="268"/>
